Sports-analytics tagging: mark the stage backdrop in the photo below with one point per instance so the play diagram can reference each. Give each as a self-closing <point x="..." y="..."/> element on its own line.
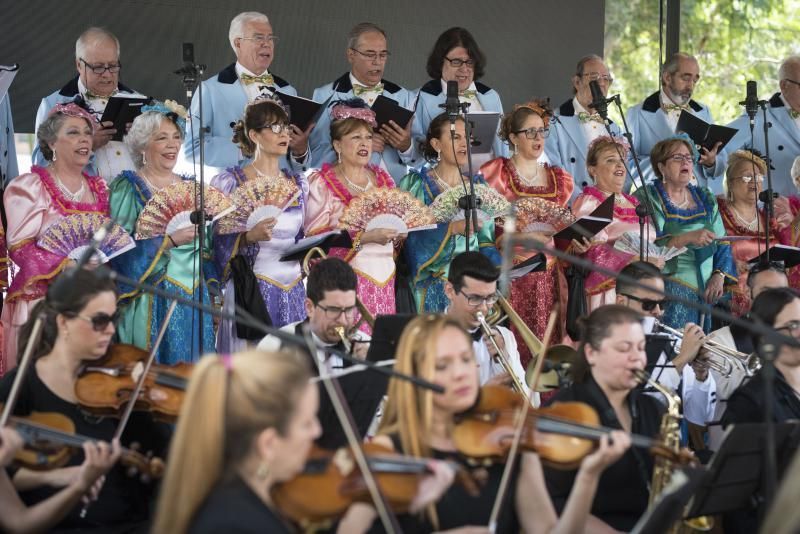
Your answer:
<point x="531" y="45"/>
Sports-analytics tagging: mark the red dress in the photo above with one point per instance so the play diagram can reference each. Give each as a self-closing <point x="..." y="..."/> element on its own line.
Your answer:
<point x="533" y="296"/>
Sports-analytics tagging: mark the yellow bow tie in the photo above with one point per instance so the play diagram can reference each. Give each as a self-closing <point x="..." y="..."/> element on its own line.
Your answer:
<point x="587" y="117"/>
<point x="91" y="96"/>
<point x="468" y="93"/>
<point x="674" y="107"/>
<point x="265" y="79"/>
<point x="359" y="89"/>
<point x="792" y="113"/>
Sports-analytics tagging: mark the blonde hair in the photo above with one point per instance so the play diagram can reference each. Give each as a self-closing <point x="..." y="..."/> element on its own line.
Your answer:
<point x="229" y="401"/>
<point x="739" y="158"/>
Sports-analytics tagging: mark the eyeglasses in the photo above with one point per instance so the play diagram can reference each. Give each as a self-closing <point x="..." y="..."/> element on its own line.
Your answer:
<point x="100" y="69"/>
<point x="790" y="327"/>
<point x="748" y="178"/>
<point x="596" y="76"/>
<point x="457" y="63"/>
<point x="648" y="305"/>
<point x="261" y="39"/>
<point x="277" y="127"/>
<point x="100" y="321"/>
<point x="680" y="158"/>
<point x="372" y="56"/>
<point x="477" y="300"/>
<point x="531" y="133"/>
<point x="334" y="312"/>
<point x="792" y="81"/>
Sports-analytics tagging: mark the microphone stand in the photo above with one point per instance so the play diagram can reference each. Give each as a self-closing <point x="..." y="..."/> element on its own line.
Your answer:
<point x="768" y="196"/>
<point x="469" y="203"/>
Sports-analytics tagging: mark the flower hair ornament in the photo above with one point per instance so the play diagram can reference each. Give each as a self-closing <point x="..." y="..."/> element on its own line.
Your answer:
<point x="683" y="136"/>
<point x="616" y="140"/>
<point x="347" y="110"/>
<point x="72" y="109"/>
<point x="539" y="108"/>
<point x="171" y="109"/>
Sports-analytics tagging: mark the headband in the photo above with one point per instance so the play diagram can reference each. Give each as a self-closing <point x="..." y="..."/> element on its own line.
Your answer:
<point x="342" y="111"/>
<point x="74" y="110"/>
<point x="170" y="109"/>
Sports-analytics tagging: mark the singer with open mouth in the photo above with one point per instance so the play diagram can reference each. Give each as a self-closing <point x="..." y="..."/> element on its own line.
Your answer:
<point x="688" y="216"/>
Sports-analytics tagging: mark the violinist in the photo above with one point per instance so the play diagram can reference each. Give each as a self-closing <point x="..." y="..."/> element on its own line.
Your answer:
<point x="612" y="347"/>
<point x="420" y="423"/>
<point x="78" y="323"/>
<point x="248" y="423"/>
<point x="471" y="288"/>
<point x="16" y="517"/>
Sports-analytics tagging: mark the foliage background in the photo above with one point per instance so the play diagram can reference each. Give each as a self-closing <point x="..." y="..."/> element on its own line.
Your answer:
<point x="734" y="41"/>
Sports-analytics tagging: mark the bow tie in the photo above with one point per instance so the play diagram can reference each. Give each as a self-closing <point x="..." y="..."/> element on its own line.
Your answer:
<point x="477" y="335"/>
<point x="588" y="117"/>
<point x="792" y="113"/>
<point x="88" y="95"/>
<point x="674" y="107"/>
<point x="265" y="79"/>
<point x="468" y="93"/>
<point x="359" y="89"/>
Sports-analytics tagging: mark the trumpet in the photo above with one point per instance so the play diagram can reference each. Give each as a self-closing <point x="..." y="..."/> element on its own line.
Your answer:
<point x="365" y="313"/>
<point x="722" y="359"/>
<point x="502" y="356"/>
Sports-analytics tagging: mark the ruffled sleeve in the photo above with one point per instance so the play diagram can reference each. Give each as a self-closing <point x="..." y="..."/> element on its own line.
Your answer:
<point x="26" y="203"/>
<point x="226" y="246"/>
<point x="494" y="173"/>
<point x="723" y="253"/>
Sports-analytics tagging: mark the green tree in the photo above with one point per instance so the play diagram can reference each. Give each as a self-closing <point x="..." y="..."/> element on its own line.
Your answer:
<point x="734" y="41"/>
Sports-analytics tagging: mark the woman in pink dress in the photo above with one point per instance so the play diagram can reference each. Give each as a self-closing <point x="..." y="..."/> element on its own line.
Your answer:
<point x="34" y="201"/>
<point x="333" y="187"/>
<point x="605" y="160"/>
<point x="534" y="295"/>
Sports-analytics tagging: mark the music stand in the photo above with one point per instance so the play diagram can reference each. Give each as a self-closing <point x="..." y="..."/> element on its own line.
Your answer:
<point x="735" y="473"/>
<point x="670" y="505"/>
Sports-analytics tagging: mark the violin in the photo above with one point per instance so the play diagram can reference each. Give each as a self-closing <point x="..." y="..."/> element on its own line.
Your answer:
<point x="50" y="441"/>
<point x="331" y="482"/>
<point x="562" y="434"/>
<point x="104" y="387"/>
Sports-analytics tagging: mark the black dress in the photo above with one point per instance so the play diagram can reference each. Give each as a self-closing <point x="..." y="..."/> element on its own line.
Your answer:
<point x="125" y="503"/>
<point x="232" y="507"/>
<point x="622" y="492"/>
<point x="457" y="508"/>
<point x="746" y="405"/>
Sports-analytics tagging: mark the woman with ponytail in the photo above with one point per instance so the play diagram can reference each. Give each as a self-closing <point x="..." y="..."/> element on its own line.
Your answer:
<point x="263" y="134"/>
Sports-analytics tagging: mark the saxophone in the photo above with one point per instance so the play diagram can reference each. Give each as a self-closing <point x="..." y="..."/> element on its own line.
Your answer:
<point x="670" y="434"/>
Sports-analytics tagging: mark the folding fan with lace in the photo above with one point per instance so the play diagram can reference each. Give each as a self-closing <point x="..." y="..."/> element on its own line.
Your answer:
<point x="629" y="244"/>
<point x="493" y="204"/>
<point x="255" y="201"/>
<point x="389" y="208"/>
<point x="70" y="236"/>
<point x="170" y="209"/>
<point x="539" y="215"/>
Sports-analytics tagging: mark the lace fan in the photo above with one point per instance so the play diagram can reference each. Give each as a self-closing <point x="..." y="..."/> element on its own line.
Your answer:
<point x="70" y="236"/>
<point x="389" y="208"/>
<point x="629" y="244"/>
<point x="539" y="215"/>
<point x="170" y="209"/>
<point x="255" y="201"/>
<point x="493" y="204"/>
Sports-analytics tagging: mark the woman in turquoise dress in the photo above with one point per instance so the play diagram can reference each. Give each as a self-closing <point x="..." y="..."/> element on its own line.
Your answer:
<point x="428" y="252"/>
<point x="686" y="215"/>
<point x="169" y="262"/>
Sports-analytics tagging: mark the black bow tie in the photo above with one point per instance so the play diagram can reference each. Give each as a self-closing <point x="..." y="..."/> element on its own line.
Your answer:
<point x="477" y="335"/>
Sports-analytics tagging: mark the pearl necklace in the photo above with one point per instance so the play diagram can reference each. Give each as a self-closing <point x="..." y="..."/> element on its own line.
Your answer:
<point x="260" y="174"/>
<point x="74" y="197"/>
<point x="751" y="225"/>
<point x="684" y="203"/>
<point x="528" y="182"/>
<point x="619" y="198"/>
<point x="151" y="185"/>
<point x="356" y="187"/>
<point x="444" y="186"/>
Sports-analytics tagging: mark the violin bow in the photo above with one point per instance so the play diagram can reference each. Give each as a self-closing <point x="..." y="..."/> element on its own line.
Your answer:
<point x="519" y="424"/>
<point x="345" y="416"/>
<point x="126" y="414"/>
<point x="22" y="370"/>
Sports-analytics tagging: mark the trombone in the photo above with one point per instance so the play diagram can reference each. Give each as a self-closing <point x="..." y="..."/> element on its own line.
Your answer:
<point x="722" y="359"/>
<point x="502" y="356"/>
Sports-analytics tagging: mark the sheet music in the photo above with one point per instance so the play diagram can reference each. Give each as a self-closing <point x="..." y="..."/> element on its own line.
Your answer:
<point x="7" y="74"/>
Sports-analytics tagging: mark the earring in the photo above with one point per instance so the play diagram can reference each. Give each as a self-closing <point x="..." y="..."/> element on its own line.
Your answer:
<point x="54" y="154"/>
<point x="263" y="471"/>
<point x="144" y="159"/>
<point x="513" y="149"/>
<point x="339" y="156"/>
<point x="258" y="151"/>
<point x="438" y="156"/>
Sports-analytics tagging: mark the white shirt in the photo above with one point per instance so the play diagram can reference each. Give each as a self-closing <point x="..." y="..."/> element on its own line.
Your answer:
<point x="788" y="107"/>
<point x="488" y="367"/>
<point x="699" y="398"/>
<point x="591" y="129"/>
<point x="672" y="115"/>
<point x="114" y="157"/>
<point x="253" y="90"/>
<point x="273" y="343"/>
<point x="474" y="103"/>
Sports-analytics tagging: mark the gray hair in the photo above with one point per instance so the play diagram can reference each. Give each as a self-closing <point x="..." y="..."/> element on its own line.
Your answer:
<point x="92" y="36"/>
<point x="142" y="130"/>
<point x="238" y="22"/>
<point x="673" y="63"/>
<point x="582" y="64"/>
<point x="47" y="133"/>
<point x="786" y="66"/>
<point x="359" y="30"/>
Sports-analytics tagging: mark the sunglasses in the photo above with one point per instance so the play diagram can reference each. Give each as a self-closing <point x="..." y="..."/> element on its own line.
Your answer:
<point x="647" y="304"/>
<point x="100" y="321"/>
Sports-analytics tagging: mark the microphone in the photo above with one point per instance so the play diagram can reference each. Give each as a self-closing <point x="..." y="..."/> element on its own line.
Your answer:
<point x="452" y="105"/>
<point x="195" y="217"/>
<point x="599" y="101"/>
<point x="509" y="229"/>
<point x="751" y="101"/>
